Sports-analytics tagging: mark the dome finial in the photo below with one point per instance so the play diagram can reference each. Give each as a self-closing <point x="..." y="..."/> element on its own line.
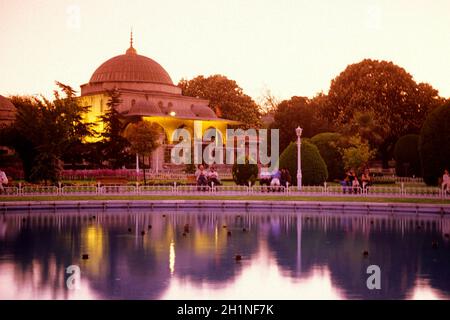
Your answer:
<point x="131" y="38"/>
<point x="131" y="50"/>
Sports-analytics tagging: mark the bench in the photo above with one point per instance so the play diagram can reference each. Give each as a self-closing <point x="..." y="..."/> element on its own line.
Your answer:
<point x="191" y="180"/>
<point x="112" y="180"/>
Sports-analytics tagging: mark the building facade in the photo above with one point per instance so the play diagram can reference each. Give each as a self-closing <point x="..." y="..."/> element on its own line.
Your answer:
<point x="148" y="93"/>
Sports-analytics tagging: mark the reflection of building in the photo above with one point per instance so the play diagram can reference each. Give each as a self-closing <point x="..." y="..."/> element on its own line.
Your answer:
<point x="148" y="93"/>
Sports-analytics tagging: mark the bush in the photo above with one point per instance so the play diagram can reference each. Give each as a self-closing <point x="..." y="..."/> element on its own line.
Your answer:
<point x="328" y="144"/>
<point x="245" y="173"/>
<point x="314" y="169"/>
<point x="406" y="155"/>
<point x="434" y="144"/>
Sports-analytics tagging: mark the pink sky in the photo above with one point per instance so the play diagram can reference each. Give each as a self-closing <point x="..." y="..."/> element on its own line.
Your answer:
<point x="292" y="47"/>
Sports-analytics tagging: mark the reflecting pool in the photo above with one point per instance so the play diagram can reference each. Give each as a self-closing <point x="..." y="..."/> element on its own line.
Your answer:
<point x="222" y="255"/>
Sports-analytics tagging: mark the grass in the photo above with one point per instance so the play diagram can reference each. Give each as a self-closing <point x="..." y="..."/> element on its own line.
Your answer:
<point x="218" y="197"/>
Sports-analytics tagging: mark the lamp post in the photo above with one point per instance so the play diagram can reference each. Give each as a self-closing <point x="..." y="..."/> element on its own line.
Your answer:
<point x="298" y="131"/>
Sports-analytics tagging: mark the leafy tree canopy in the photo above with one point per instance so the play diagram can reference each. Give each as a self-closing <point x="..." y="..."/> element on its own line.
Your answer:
<point x="226" y="98"/>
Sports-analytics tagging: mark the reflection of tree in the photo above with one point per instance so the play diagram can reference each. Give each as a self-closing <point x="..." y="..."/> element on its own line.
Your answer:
<point x="397" y="246"/>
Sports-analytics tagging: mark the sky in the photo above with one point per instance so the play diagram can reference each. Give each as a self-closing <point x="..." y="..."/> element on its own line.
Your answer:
<point x="290" y="47"/>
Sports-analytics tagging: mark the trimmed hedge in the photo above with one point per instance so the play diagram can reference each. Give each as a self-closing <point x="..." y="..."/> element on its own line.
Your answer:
<point x="406" y="155"/>
<point x="314" y="169"/>
<point x="328" y="143"/>
<point x="434" y="144"/>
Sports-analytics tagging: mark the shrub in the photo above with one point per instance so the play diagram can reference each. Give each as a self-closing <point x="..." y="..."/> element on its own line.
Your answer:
<point x="434" y="144"/>
<point x="328" y="144"/>
<point x="245" y="173"/>
<point x="406" y="155"/>
<point x="314" y="169"/>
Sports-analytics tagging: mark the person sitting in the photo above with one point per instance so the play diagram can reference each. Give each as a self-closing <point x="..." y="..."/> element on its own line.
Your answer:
<point x="285" y="177"/>
<point x="355" y="182"/>
<point x="275" y="182"/>
<point x="365" y="180"/>
<point x="213" y="177"/>
<point x="201" y="176"/>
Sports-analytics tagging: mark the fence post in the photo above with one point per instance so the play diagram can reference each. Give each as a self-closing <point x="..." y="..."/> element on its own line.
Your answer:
<point x="212" y="186"/>
<point x="99" y="190"/>
<point x="175" y="187"/>
<point x="287" y="188"/>
<point x="137" y="187"/>
<point x="19" y="192"/>
<point x="325" y="187"/>
<point x="59" y="188"/>
<point x="402" y="189"/>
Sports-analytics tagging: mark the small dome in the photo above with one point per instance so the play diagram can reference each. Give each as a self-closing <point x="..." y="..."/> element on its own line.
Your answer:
<point x="203" y="111"/>
<point x="131" y="67"/>
<point x="7" y="111"/>
<point x="144" y="108"/>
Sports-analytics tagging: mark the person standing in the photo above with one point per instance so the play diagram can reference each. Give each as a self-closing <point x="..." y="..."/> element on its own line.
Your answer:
<point x="355" y="182"/>
<point x="446" y="181"/>
<point x="3" y="181"/>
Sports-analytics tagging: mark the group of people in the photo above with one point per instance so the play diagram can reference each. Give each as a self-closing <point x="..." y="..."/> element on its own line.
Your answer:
<point x="275" y="179"/>
<point x="206" y="177"/>
<point x="280" y="177"/>
<point x="352" y="184"/>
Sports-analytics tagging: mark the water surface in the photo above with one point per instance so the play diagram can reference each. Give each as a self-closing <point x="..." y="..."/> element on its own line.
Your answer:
<point x="192" y="255"/>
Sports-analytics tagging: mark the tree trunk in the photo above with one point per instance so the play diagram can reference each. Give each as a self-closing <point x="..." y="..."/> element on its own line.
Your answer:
<point x="143" y="168"/>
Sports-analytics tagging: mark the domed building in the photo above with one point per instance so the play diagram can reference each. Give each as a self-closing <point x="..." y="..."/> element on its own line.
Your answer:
<point x="7" y="111"/>
<point x="148" y="93"/>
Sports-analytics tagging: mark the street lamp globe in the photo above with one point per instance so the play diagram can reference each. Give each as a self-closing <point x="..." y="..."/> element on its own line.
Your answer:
<point x="298" y="131"/>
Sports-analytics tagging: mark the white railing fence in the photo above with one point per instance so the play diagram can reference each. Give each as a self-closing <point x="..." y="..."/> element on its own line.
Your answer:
<point x="372" y="191"/>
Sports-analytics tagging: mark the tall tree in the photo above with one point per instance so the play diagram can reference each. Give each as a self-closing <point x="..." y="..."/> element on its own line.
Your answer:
<point x="114" y="144"/>
<point x="385" y="91"/>
<point x="297" y="111"/>
<point x="226" y="98"/>
<point x="45" y="130"/>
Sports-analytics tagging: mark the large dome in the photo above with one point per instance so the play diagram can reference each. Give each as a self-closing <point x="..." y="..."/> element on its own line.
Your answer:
<point x="131" y="67"/>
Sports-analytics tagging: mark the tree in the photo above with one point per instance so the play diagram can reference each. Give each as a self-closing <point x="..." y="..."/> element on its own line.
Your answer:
<point x="406" y="155"/>
<point x="45" y="130"/>
<point x="268" y="102"/>
<point x="297" y="111"/>
<point x="357" y="154"/>
<point x="329" y="144"/>
<point x="114" y="144"/>
<point x="314" y="169"/>
<point x="434" y="144"/>
<point x="226" y="98"/>
<point x="144" y="139"/>
<point x="388" y="93"/>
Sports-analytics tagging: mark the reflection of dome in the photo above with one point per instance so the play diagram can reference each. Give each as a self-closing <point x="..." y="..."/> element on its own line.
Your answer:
<point x="131" y="67"/>
<point x="7" y="110"/>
